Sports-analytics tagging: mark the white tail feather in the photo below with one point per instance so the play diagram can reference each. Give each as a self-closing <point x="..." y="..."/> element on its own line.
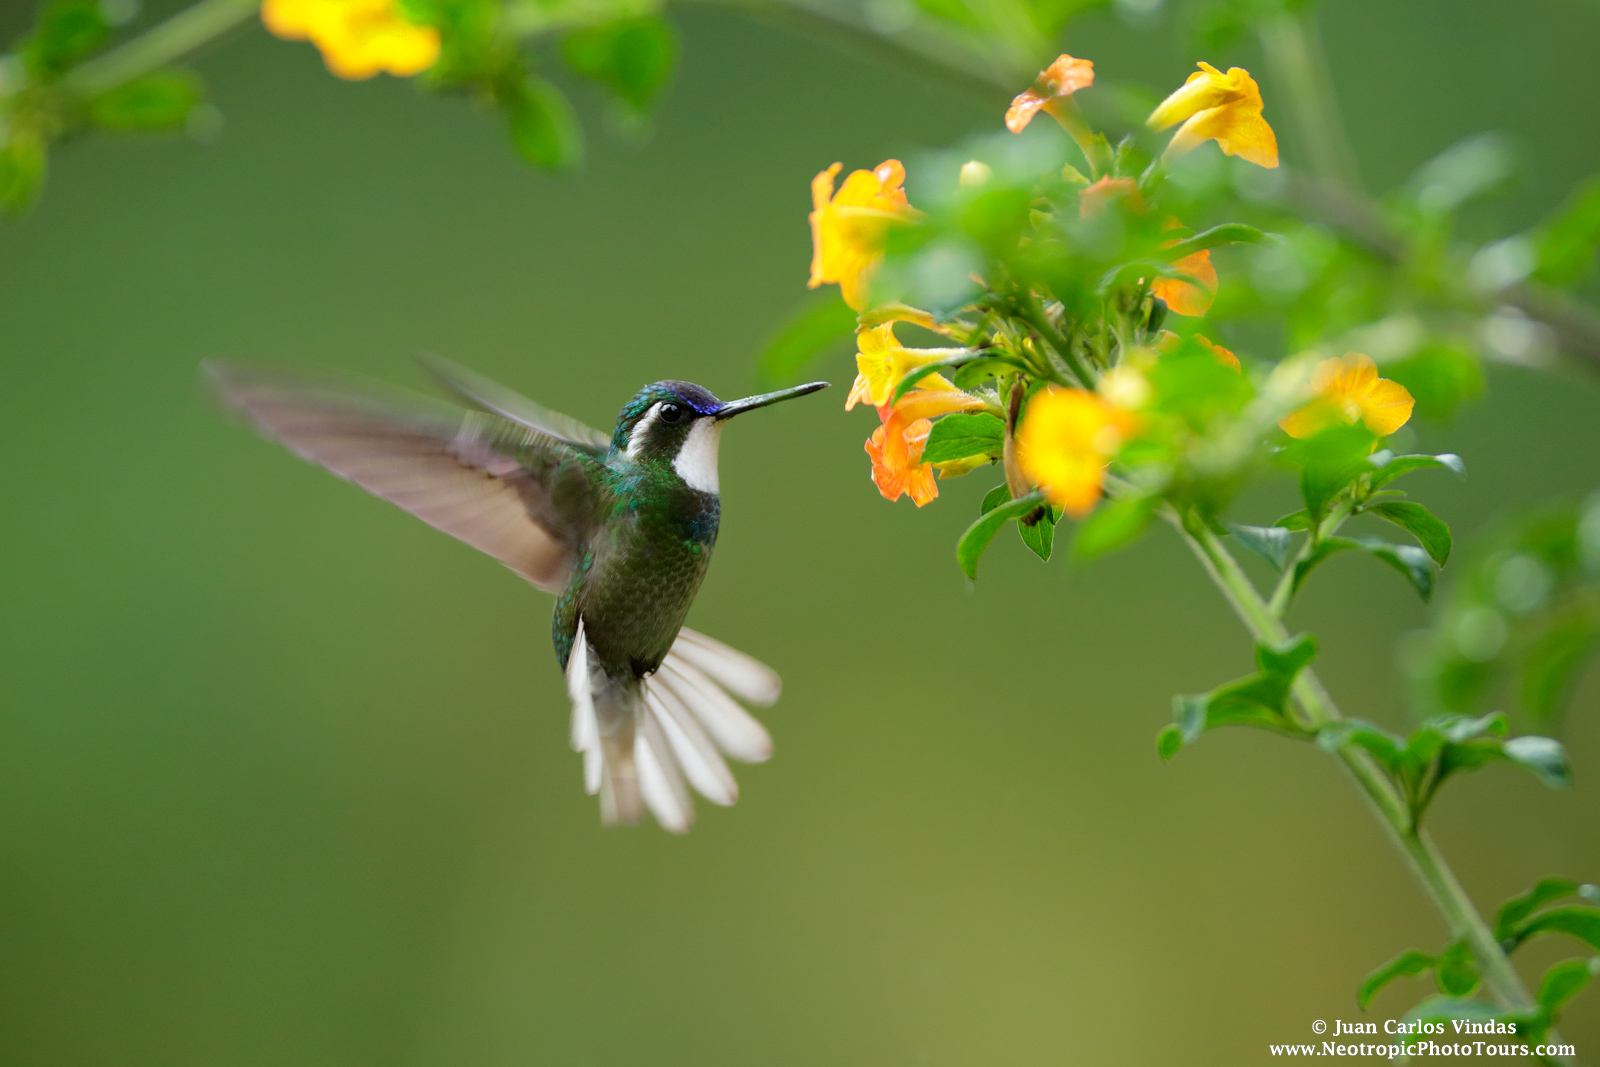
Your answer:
<point x="667" y="732"/>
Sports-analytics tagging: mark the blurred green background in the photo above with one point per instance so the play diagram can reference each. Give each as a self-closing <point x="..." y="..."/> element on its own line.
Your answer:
<point x="283" y="772"/>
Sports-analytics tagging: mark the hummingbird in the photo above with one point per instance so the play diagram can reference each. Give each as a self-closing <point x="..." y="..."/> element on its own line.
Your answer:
<point x="620" y="528"/>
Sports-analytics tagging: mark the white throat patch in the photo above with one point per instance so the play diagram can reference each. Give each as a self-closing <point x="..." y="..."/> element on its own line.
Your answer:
<point x="696" y="461"/>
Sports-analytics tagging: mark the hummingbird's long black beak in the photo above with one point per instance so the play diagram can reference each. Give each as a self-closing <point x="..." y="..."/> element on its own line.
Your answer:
<point x="750" y="403"/>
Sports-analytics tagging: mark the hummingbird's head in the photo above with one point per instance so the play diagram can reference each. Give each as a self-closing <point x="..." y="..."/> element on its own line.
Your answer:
<point x="680" y="424"/>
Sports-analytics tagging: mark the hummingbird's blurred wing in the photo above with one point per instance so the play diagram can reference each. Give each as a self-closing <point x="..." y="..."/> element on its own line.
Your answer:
<point x="480" y="392"/>
<point x="477" y="477"/>
<point x="646" y="744"/>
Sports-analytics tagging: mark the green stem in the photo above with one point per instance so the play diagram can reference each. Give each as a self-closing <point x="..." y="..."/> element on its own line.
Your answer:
<point x="163" y="43"/>
<point x="1425" y="860"/>
<point x="1034" y="314"/>
<point x="1293" y="53"/>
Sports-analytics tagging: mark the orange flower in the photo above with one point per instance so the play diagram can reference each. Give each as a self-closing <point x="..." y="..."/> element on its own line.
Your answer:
<point x="1185" y="297"/>
<point x="1057" y="82"/>
<point x="357" y="38"/>
<point x="1224" y="357"/>
<point x="848" y="228"/>
<point x="896" y="446"/>
<point x="1225" y="108"/>
<point x="1094" y="199"/>
<point x="1349" y="390"/>
<point x="1066" y="439"/>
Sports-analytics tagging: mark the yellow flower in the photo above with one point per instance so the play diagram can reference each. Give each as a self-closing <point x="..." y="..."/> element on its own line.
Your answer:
<point x="896" y="446"/>
<point x="1224" y="357"/>
<point x="1349" y="390"/>
<point x="357" y="38"/>
<point x="882" y="362"/>
<point x="1056" y="82"/>
<point x="1225" y="108"/>
<point x="848" y="228"/>
<point x="1185" y="297"/>
<point x="1066" y="439"/>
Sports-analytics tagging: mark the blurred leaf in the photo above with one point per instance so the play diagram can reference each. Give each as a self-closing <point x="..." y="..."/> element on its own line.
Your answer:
<point x="1445" y="1009"/>
<point x="1271" y="543"/>
<point x="1407" y="963"/>
<point x="1295" y="520"/>
<point x="543" y="128"/>
<point x="1567" y="241"/>
<point x="1329" y="461"/>
<point x="1039" y="535"/>
<point x="971" y="547"/>
<point x="1112" y="525"/>
<point x="1440" y="378"/>
<point x="1544" y="756"/>
<point x="634" y="57"/>
<point x="1427" y="528"/>
<point x="64" y="32"/>
<point x="1398" y="465"/>
<point x="1551" y="662"/>
<point x="909" y="381"/>
<point x="1227" y="234"/>
<point x="1456" y="973"/>
<point x="1466" y="170"/>
<point x="1518" y="908"/>
<point x="1575" y="920"/>
<point x="996" y="219"/>
<point x="1563" y="981"/>
<point x="1384" y="746"/>
<point x="160" y="100"/>
<point x="1169" y="741"/>
<point x="812" y="330"/>
<point x="22" y="170"/>
<point x="1192" y="385"/>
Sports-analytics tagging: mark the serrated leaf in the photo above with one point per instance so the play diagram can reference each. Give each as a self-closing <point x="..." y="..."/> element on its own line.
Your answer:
<point x="1544" y="756"/>
<point x="976" y="539"/>
<point x="1399" y="465"/>
<point x="1563" y="981"/>
<point x="1114" y="524"/>
<point x="958" y="436"/>
<point x="811" y="331"/>
<point x="1039" y="536"/>
<point x="1427" y="528"/>
<point x="1407" y="963"/>
<point x="1271" y="543"/>
<point x="1518" y="908"/>
<point x="1456" y="972"/>
<point x="543" y="127"/>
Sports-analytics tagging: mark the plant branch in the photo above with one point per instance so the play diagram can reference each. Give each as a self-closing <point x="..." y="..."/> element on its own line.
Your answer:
<point x="1295" y="57"/>
<point x="163" y="43"/>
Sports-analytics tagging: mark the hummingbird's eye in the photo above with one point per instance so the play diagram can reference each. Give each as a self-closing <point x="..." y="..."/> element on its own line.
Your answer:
<point x="671" y="414"/>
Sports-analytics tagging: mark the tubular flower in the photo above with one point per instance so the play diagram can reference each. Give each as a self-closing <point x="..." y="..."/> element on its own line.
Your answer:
<point x="1225" y="108"/>
<point x="896" y="446"/>
<point x="1349" y="390"/>
<point x="848" y="227"/>
<point x="1056" y="82"/>
<point x="1066" y="439"/>
<point x="1185" y="297"/>
<point x="357" y="38"/>
<point x="1094" y="199"/>
<point x="882" y="362"/>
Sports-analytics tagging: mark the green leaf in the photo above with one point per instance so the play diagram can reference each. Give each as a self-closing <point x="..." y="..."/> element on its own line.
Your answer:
<point x="1551" y="663"/>
<point x="1269" y="542"/>
<point x="161" y="100"/>
<point x="1410" y="561"/>
<point x="1427" y="528"/>
<point x="1329" y="461"/>
<point x="1519" y="907"/>
<point x="1563" y="981"/>
<point x="1113" y="525"/>
<point x="958" y="436"/>
<point x="1398" y="465"/>
<point x="994" y="498"/>
<point x="1444" y="1009"/>
<point x="1544" y="756"/>
<point x="1440" y="378"/>
<point x="1457" y="971"/>
<point x="543" y="128"/>
<point x="996" y="218"/>
<point x="1575" y="920"/>
<point x="634" y="57"/>
<point x="1169" y="741"/>
<point x="812" y="330"/>
<point x="1296" y="520"/>
<point x="1384" y="746"/>
<point x="975" y="372"/>
<point x="1039" y="535"/>
<point x="65" y="32"/>
<point x="971" y="547"/>
<point x="1407" y="963"/>
<point x="22" y="170"/>
<point x="1227" y="234"/>
<point x="1567" y="242"/>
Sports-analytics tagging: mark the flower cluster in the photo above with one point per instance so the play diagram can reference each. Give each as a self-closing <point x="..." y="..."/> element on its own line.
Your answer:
<point x="1074" y="311"/>
<point x="357" y="38"/>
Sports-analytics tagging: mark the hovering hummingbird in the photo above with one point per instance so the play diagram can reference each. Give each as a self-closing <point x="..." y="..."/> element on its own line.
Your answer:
<point x="620" y="529"/>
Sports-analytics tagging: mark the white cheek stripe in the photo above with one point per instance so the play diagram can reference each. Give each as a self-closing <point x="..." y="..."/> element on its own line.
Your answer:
<point x="641" y="431"/>
<point x="696" y="461"/>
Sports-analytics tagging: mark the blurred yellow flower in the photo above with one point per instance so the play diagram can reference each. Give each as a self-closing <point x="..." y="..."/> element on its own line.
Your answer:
<point x="1066" y="439"/>
<point x="848" y="228"/>
<point x="1185" y="297"/>
<point x="357" y="38"/>
<point x="1224" y="357"/>
<point x="896" y="446"/>
<point x="1056" y="82"/>
<point x="882" y="361"/>
<point x="1225" y="108"/>
<point x="1094" y="199"/>
<point x="1349" y="391"/>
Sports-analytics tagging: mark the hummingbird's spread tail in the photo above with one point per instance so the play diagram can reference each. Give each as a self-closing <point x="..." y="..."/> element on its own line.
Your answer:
<point x="646" y="741"/>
